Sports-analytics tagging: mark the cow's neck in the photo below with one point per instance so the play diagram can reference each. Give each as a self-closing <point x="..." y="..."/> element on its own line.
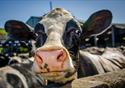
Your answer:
<point x="86" y="67"/>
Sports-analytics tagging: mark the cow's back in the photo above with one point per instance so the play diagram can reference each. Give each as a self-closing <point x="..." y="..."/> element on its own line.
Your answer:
<point x="99" y="60"/>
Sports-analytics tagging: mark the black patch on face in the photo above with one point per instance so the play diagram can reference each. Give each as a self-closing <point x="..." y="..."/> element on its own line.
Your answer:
<point x="41" y="38"/>
<point x="14" y="81"/>
<point x="71" y="36"/>
<point x="71" y="39"/>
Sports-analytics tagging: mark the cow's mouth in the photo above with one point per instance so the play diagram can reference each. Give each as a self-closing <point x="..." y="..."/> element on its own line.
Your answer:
<point x="49" y="75"/>
<point x="59" y="76"/>
<point x="66" y="74"/>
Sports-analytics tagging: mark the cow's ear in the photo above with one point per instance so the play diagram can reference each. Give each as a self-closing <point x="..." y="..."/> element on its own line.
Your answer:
<point x="19" y="30"/>
<point x="97" y="23"/>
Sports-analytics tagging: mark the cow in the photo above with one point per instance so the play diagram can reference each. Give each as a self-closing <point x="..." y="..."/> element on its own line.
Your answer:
<point x="57" y="58"/>
<point x="59" y="55"/>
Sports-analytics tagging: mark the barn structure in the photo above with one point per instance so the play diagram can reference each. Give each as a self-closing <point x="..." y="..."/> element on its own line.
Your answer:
<point x="113" y="37"/>
<point x="33" y="20"/>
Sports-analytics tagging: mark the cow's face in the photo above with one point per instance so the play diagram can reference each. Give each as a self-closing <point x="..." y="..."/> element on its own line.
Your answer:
<point x="59" y="35"/>
<point x="58" y="39"/>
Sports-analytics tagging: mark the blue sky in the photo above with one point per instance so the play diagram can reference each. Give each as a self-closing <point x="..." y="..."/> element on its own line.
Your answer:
<point x="81" y="9"/>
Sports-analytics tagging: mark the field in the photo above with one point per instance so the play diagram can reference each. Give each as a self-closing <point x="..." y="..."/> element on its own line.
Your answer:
<point x="2" y="31"/>
<point x="3" y="34"/>
<point x="1" y="49"/>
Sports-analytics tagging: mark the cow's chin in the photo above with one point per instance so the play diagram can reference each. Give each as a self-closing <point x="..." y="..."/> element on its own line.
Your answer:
<point x="60" y="77"/>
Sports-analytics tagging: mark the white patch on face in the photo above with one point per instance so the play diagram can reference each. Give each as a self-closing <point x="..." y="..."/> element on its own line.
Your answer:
<point x="58" y="22"/>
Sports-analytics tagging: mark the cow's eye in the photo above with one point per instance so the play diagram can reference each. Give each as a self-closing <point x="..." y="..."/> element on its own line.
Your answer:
<point x="74" y="31"/>
<point x="78" y="32"/>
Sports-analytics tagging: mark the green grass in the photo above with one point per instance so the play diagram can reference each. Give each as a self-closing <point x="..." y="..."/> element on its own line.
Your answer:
<point x="2" y="31"/>
<point x="22" y="50"/>
<point x="3" y="34"/>
<point x="1" y="49"/>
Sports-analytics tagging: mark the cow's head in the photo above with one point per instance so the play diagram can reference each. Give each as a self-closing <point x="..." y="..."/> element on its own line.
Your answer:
<point x="58" y="42"/>
<point x="59" y="35"/>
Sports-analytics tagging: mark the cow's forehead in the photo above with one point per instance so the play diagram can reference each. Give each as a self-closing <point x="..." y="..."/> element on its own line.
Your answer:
<point x="56" y="19"/>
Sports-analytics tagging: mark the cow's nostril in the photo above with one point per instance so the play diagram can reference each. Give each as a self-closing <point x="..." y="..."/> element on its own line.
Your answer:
<point x="61" y="56"/>
<point x="39" y="59"/>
